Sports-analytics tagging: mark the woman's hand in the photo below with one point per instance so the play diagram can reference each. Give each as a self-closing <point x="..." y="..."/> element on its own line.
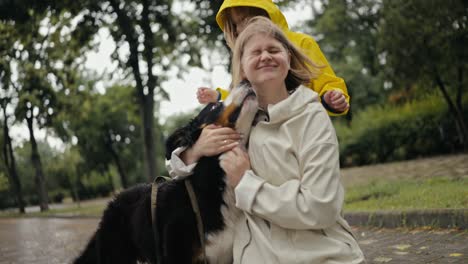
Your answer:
<point x="206" y="95"/>
<point x="213" y="140"/>
<point x="336" y="101"/>
<point x="235" y="163"/>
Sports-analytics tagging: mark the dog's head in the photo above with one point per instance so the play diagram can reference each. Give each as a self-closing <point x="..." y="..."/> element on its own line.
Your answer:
<point x="237" y="112"/>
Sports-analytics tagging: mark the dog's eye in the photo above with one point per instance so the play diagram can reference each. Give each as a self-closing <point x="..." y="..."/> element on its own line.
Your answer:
<point x="215" y="106"/>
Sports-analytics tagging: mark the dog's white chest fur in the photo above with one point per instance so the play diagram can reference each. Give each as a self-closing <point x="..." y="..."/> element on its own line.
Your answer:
<point x="219" y="245"/>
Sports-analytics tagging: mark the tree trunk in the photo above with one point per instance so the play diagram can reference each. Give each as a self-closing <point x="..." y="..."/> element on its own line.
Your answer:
<point x="145" y="96"/>
<point x="148" y="134"/>
<point x="459" y="97"/>
<point x="118" y="162"/>
<point x="456" y="112"/>
<point x="148" y="125"/>
<point x="36" y="161"/>
<point x="74" y="192"/>
<point x="10" y="164"/>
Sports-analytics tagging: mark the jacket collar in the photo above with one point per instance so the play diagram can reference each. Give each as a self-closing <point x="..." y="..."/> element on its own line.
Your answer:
<point x="291" y="106"/>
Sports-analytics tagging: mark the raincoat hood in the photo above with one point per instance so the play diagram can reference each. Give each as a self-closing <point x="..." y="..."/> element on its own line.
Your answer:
<point x="273" y="11"/>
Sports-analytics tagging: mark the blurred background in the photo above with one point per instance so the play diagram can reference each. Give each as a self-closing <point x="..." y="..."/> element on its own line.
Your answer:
<point x="90" y="89"/>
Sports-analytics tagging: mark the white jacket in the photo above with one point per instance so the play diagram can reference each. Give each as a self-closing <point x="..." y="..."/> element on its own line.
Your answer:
<point x="292" y="197"/>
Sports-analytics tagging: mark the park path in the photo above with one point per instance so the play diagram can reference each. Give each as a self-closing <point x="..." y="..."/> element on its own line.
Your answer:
<point x="59" y="240"/>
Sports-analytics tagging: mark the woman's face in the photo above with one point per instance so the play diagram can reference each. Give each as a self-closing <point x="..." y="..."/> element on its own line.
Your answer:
<point x="265" y="59"/>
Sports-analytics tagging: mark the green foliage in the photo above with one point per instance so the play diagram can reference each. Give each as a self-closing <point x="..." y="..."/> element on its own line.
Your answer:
<point x="422" y="38"/>
<point x="96" y="185"/>
<point x="6" y="197"/>
<point x="347" y="32"/>
<point x="178" y="120"/>
<point x="431" y="193"/>
<point x="4" y="185"/>
<point x="392" y="132"/>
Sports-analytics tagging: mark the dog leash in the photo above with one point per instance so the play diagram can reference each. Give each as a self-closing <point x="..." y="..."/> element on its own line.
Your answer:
<point x="154" y="220"/>
<point x="196" y="211"/>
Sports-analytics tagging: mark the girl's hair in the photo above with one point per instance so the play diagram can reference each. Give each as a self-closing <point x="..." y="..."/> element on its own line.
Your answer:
<point x="302" y="69"/>
<point x="230" y="32"/>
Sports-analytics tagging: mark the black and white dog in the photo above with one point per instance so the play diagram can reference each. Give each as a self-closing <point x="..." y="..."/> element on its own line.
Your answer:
<point x="125" y="235"/>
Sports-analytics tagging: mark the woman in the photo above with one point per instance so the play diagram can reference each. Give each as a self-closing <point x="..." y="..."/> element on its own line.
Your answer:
<point x="288" y="183"/>
<point x="232" y="17"/>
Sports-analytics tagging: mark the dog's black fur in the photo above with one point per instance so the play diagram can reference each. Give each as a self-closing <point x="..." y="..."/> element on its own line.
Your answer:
<point x="125" y="235"/>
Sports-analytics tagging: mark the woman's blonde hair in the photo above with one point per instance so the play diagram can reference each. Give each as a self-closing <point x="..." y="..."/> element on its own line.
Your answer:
<point x="302" y="69"/>
<point x="230" y="31"/>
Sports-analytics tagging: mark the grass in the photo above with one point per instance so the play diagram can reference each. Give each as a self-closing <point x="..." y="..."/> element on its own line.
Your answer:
<point x="429" y="193"/>
<point x="433" y="193"/>
<point x="86" y="209"/>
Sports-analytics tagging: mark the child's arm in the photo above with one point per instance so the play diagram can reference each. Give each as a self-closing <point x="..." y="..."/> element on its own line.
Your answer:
<point x="207" y="95"/>
<point x="331" y="88"/>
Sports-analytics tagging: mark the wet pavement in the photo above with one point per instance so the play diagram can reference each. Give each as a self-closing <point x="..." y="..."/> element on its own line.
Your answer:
<point x="59" y="240"/>
<point x="43" y="240"/>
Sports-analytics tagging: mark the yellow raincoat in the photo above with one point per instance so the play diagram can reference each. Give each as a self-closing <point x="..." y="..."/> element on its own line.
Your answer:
<point x="327" y="81"/>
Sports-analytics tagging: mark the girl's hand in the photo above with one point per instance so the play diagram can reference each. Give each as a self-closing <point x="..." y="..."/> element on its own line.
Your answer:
<point x="206" y="95"/>
<point x="336" y="101"/>
<point x="213" y="140"/>
<point x="235" y="163"/>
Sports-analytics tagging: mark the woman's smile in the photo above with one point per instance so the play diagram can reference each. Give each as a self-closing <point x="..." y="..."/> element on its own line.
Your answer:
<point x="265" y="59"/>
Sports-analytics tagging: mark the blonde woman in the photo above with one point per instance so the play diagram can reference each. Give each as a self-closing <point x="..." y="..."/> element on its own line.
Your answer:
<point x="288" y="183"/>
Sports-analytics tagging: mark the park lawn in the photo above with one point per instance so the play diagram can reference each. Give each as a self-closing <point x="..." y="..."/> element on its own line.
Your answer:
<point x="86" y="210"/>
<point x="430" y="193"/>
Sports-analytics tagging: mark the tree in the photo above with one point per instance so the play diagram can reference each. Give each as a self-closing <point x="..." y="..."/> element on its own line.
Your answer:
<point x="42" y="53"/>
<point x="425" y="41"/>
<point x="347" y="32"/>
<point x="9" y="158"/>
<point x="156" y="41"/>
<point x="7" y="94"/>
<point x="106" y="128"/>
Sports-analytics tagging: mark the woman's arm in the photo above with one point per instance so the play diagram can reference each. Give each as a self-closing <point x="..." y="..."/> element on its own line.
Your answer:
<point x="312" y="202"/>
<point x="213" y="140"/>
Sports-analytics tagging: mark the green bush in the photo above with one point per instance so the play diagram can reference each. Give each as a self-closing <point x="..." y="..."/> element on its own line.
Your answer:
<point x="95" y="185"/>
<point x="387" y="133"/>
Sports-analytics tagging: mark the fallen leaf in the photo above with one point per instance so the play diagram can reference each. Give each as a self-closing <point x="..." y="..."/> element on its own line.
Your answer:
<point x="402" y="246"/>
<point x="367" y="241"/>
<point x="456" y="255"/>
<point x="382" y="259"/>
<point x="401" y="253"/>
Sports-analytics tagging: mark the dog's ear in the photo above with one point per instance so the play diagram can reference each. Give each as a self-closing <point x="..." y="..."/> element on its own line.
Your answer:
<point x="210" y="113"/>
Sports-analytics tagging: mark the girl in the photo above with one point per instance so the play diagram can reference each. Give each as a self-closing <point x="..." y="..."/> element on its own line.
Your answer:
<point x="232" y="17"/>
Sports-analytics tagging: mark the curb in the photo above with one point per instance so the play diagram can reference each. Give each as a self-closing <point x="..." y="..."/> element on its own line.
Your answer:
<point x="442" y="218"/>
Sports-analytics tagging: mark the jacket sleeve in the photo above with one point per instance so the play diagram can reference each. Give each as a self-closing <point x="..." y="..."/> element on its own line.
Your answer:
<point x="327" y="80"/>
<point x="176" y="166"/>
<point x="311" y="202"/>
<point x="223" y="93"/>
